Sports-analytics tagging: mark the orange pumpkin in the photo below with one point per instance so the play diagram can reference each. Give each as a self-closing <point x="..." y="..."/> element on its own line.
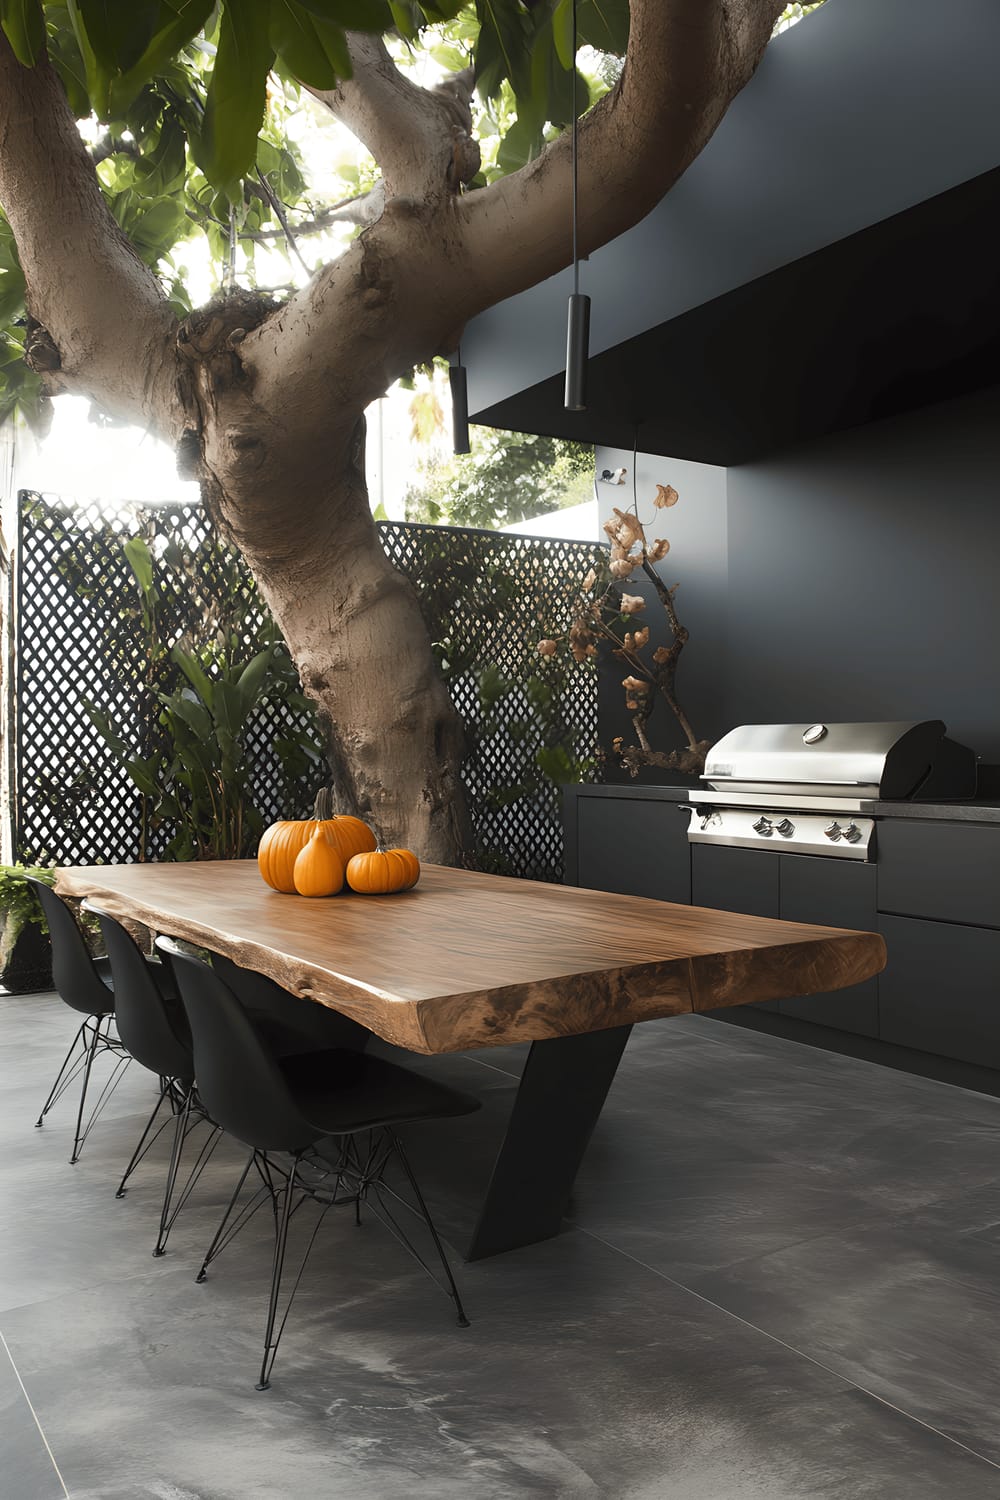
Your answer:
<point x="382" y="870"/>
<point x="283" y="842"/>
<point x="319" y="869"/>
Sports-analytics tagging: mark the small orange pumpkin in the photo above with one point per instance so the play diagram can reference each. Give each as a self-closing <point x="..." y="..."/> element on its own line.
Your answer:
<point x="284" y="841"/>
<point x="382" y="870"/>
<point x="319" y="868"/>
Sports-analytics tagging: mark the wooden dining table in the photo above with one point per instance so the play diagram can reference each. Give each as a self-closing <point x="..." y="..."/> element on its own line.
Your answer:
<point x="470" y="961"/>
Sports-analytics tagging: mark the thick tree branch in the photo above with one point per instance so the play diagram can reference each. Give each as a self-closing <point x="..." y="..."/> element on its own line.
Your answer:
<point x="109" y="328"/>
<point x="421" y="138"/>
<point x="686" y="61"/>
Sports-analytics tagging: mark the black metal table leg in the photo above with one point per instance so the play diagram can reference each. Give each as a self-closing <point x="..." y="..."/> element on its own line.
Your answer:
<point x="563" y="1088"/>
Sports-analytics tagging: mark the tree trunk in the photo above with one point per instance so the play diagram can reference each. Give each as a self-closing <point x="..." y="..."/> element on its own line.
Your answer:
<point x="359" y="640"/>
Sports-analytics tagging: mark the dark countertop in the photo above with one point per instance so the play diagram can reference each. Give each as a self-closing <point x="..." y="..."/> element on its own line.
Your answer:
<point x="974" y="810"/>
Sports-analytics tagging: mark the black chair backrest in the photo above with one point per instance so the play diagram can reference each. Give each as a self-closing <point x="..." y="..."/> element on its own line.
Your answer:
<point x="239" y="1081"/>
<point x="73" y="971"/>
<point x="155" y="1032"/>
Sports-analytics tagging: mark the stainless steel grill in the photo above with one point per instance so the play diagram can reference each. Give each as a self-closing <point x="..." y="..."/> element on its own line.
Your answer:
<point x="817" y="788"/>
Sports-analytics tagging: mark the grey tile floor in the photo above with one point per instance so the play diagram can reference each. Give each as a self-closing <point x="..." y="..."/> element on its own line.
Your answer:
<point x="780" y="1279"/>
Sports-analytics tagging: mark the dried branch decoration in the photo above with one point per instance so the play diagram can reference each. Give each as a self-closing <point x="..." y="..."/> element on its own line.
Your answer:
<point x="601" y="612"/>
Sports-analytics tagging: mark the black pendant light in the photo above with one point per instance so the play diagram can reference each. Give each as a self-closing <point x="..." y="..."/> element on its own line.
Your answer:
<point x="578" y="321"/>
<point x="459" y="405"/>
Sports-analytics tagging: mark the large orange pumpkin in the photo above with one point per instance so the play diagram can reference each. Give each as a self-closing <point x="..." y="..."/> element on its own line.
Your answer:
<point x="283" y="842"/>
<point x="378" y="871"/>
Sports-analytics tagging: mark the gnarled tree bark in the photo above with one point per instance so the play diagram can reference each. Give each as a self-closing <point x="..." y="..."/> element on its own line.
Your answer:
<point x="265" y="404"/>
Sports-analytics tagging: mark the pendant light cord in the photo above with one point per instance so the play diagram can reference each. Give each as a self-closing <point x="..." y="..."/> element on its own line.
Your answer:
<point x="576" y="256"/>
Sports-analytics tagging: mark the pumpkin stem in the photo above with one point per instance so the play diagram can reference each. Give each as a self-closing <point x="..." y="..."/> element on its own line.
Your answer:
<point x="323" y="808"/>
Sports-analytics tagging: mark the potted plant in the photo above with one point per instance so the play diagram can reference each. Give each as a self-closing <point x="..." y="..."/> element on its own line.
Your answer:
<point x="25" y="950"/>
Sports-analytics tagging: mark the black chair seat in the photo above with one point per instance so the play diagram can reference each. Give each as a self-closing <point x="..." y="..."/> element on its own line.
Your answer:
<point x="340" y="1092"/>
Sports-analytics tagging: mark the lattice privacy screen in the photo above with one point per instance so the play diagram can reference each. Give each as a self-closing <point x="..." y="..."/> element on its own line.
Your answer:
<point x="81" y="639"/>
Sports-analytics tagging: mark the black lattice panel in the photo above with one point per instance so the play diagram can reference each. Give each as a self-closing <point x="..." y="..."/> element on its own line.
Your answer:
<point x="487" y="599"/>
<point x="81" y="640"/>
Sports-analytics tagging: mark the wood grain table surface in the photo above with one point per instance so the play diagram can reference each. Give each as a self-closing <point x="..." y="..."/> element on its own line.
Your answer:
<point x="468" y="960"/>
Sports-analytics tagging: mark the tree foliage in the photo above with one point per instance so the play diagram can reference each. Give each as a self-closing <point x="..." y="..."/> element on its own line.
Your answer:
<point x="508" y="477"/>
<point x="186" y="109"/>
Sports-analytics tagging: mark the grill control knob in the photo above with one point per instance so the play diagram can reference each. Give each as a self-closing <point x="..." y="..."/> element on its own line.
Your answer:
<point x="852" y="833"/>
<point x="786" y="828"/>
<point x="833" y="831"/>
<point x="764" y="827"/>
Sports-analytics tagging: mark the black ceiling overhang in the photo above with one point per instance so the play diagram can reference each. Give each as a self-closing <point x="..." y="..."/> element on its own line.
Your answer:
<point x="901" y="314"/>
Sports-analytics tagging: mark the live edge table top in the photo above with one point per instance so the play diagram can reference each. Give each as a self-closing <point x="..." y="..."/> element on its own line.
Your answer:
<point x="467" y="960"/>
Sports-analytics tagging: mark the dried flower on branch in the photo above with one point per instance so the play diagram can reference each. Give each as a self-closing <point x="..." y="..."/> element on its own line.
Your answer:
<point x="598" y="611"/>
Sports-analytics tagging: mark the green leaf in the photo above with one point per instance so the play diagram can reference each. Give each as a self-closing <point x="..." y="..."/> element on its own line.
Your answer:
<point x="354" y="15"/>
<point x="253" y="679"/>
<point x="24" y="27"/>
<point x="234" y="108"/>
<point x="603" y="24"/>
<point x="11" y="295"/>
<point x="140" y="560"/>
<point x="501" y="48"/>
<point x="555" y="762"/>
<point x="119" y="31"/>
<point x="312" y="48"/>
<point x="562" y="32"/>
<point x="194" y="674"/>
<point x="492" y="686"/>
<point x="140" y="772"/>
<point x="522" y="143"/>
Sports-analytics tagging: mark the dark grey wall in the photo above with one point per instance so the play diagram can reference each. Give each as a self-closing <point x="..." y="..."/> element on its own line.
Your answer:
<point x="863" y="109"/>
<point x="856" y="577"/>
<point x="864" y="576"/>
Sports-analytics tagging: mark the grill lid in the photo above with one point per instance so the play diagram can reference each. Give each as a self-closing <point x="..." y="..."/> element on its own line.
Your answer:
<point x="874" y="760"/>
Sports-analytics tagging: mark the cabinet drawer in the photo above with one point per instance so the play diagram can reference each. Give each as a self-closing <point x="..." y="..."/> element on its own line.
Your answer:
<point x="736" y="880"/>
<point x="940" y="991"/>
<point x="832" y="893"/>
<point x="633" y="847"/>
<point x="947" y="871"/>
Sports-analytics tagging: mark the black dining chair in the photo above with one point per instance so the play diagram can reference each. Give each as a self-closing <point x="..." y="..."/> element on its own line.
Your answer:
<point x="285" y="1022"/>
<point x="153" y="1026"/>
<point x="332" y="1114"/>
<point x="84" y="983"/>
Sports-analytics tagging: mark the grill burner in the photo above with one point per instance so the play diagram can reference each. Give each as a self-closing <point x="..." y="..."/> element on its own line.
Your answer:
<point x="815" y="788"/>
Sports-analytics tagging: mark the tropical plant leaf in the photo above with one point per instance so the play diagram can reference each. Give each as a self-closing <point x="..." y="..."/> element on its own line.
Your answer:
<point x="140" y="560"/>
<point x="194" y="674"/>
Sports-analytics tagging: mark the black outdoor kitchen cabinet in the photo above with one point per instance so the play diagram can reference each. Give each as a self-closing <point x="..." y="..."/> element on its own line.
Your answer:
<point x="633" y="842"/>
<point x="940" y="990"/>
<point x="939" y="912"/>
<point x="797" y="888"/>
<point x="934" y="893"/>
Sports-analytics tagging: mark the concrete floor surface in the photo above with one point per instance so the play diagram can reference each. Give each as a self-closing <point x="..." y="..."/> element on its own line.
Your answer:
<point x="779" y="1280"/>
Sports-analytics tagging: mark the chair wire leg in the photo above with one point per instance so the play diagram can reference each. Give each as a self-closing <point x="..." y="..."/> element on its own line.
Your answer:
<point x="183" y="1128"/>
<point x="56" y="1090"/>
<point x="272" y="1337"/>
<point x="220" y="1238"/>
<point x="100" y="1042"/>
<point x="78" y="1139"/>
<point x="404" y="1161"/>
<point x="143" y="1147"/>
<point x="278" y="1265"/>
